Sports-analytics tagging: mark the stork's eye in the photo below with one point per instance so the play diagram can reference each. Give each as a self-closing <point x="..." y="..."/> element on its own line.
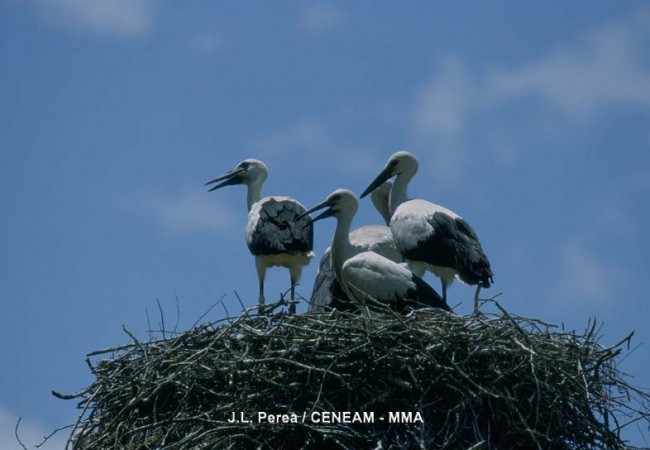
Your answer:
<point x="244" y="165"/>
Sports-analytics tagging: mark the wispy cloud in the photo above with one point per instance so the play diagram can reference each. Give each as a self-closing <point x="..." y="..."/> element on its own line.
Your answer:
<point x="442" y="103"/>
<point x="118" y="18"/>
<point x="450" y="115"/>
<point x="604" y="68"/>
<point x="607" y="67"/>
<point x="307" y="142"/>
<point x="585" y="277"/>
<point x="320" y="17"/>
<point x="189" y="211"/>
<point x="307" y="136"/>
<point x="440" y="115"/>
<point x="207" y="42"/>
<point x="31" y="434"/>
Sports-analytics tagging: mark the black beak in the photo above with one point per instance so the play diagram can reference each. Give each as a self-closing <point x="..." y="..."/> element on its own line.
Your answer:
<point x="323" y="215"/>
<point x="383" y="176"/>
<point x="232" y="177"/>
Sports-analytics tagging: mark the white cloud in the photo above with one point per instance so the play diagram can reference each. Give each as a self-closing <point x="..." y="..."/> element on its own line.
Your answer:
<point x="320" y="17"/>
<point x="440" y="115"/>
<point x="585" y="277"/>
<point x="442" y="103"/>
<point x="207" y="42"/>
<point x="120" y="18"/>
<point x="310" y="143"/>
<point x="607" y="67"/>
<point x="309" y="137"/>
<point x="190" y="211"/>
<point x="458" y="103"/>
<point x="579" y="79"/>
<point x="31" y="434"/>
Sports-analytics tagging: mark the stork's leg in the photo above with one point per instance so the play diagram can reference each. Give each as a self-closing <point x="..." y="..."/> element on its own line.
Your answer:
<point x="292" y="304"/>
<point x="446" y="277"/>
<point x="261" y="274"/>
<point x="295" y="272"/>
<point x="478" y="290"/>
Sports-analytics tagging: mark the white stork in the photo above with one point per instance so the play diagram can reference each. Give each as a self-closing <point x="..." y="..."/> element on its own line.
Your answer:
<point x="430" y="236"/>
<point x="276" y="234"/>
<point x="365" y="275"/>
<point x="327" y="291"/>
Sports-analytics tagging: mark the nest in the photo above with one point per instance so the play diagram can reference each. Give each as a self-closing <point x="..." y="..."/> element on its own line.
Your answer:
<point x="486" y="381"/>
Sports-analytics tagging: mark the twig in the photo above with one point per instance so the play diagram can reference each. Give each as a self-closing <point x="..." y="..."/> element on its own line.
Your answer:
<point x="16" y="434"/>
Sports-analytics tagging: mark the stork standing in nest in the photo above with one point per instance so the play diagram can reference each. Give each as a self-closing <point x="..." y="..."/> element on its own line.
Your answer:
<point x="276" y="234"/>
<point x="366" y="276"/>
<point x="327" y="291"/>
<point x="429" y="236"/>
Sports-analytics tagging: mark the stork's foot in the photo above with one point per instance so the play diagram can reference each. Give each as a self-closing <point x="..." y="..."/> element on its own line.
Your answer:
<point x="292" y="306"/>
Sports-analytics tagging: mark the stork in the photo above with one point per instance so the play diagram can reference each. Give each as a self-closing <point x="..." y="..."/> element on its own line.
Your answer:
<point x="327" y="291"/>
<point x="276" y="233"/>
<point x="366" y="275"/>
<point x="432" y="237"/>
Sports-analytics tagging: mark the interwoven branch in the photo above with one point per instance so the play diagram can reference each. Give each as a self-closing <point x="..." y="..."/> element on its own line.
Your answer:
<point x="503" y="381"/>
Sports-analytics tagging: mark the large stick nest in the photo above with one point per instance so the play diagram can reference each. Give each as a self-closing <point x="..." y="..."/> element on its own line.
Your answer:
<point x="487" y="381"/>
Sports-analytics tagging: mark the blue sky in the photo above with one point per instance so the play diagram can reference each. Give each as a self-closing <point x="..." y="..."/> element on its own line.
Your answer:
<point x="531" y="120"/>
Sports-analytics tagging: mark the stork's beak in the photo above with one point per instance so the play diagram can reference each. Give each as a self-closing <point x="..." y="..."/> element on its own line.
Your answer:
<point x="232" y="177"/>
<point x="323" y="215"/>
<point x="383" y="176"/>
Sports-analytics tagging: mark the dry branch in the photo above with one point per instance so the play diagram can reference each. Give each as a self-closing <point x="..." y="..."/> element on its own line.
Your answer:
<point x="479" y="382"/>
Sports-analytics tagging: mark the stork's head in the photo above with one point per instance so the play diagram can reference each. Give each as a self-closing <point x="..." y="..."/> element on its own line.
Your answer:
<point x="249" y="172"/>
<point x="399" y="162"/>
<point x="339" y="203"/>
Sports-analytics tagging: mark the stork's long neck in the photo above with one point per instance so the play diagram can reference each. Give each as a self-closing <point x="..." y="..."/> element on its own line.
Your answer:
<point x="342" y="248"/>
<point x="381" y="205"/>
<point x="254" y="194"/>
<point x="398" y="193"/>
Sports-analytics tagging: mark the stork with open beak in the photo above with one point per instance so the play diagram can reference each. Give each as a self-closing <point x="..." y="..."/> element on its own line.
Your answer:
<point x="277" y="233"/>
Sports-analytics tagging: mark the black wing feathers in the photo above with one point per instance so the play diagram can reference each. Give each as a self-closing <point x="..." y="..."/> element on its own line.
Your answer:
<point x="278" y="229"/>
<point x="454" y="244"/>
